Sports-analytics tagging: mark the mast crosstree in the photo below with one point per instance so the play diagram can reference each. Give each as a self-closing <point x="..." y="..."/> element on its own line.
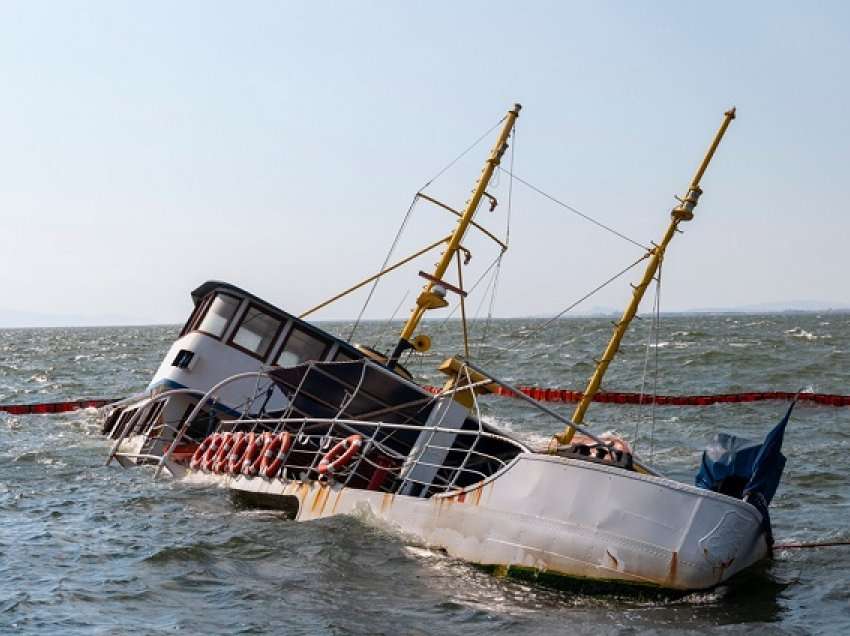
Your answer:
<point x="433" y="294"/>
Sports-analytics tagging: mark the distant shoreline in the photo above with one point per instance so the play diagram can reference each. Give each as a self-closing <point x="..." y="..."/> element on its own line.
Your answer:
<point x="612" y="313"/>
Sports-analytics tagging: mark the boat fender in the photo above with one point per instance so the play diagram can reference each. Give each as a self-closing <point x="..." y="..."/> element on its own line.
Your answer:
<point x="198" y="457"/>
<point x="220" y="460"/>
<point x="215" y="444"/>
<point x="273" y="468"/>
<point x="234" y="460"/>
<point x="340" y="455"/>
<point x="383" y="464"/>
<point x="254" y="453"/>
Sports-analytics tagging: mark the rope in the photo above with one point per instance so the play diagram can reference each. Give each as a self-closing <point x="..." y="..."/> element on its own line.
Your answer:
<point x="575" y="211"/>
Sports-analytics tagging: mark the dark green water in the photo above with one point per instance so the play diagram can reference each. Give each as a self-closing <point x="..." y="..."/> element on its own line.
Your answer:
<point x="86" y="549"/>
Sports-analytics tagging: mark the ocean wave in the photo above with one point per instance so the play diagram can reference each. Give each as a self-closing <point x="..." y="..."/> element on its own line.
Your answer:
<point x="799" y="332"/>
<point x="45" y="458"/>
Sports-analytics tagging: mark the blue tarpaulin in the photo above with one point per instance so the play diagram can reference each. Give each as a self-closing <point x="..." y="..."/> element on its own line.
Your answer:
<point x="736" y="466"/>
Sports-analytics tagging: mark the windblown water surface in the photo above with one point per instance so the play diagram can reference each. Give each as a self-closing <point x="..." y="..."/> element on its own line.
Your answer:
<point x="88" y="549"/>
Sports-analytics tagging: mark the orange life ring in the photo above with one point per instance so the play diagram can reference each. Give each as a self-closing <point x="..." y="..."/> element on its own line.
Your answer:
<point x="269" y="453"/>
<point x="250" y="452"/>
<point x="254" y="454"/>
<point x="220" y="461"/>
<point x="198" y="457"/>
<point x="234" y="460"/>
<point x="342" y="453"/>
<point x="272" y="469"/>
<point x="215" y="444"/>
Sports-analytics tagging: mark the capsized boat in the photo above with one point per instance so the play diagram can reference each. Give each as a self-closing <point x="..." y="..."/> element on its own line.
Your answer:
<point x="333" y="429"/>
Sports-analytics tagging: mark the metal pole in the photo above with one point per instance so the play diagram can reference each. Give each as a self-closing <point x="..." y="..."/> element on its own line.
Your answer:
<point x="423" y="302"/>
<point x="683" y="212"/>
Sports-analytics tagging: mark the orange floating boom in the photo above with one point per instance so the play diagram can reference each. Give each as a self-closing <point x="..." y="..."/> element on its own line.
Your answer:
<point x="44" y="408"/>
<point x="616" y="397"/>
<point x="537" y="393"/>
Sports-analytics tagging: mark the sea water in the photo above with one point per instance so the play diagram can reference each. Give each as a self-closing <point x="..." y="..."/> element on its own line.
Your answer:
<point x="90" y="549"/>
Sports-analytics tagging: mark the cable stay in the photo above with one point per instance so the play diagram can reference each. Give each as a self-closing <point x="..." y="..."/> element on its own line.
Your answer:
<point x="575" y="211"/>
<point x="453" y="245"/>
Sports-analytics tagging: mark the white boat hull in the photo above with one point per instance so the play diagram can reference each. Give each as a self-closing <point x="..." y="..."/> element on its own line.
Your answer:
<point x="555" y="515"/>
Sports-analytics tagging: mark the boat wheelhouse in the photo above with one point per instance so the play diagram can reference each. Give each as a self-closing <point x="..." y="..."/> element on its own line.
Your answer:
<point x="229" y="331"/>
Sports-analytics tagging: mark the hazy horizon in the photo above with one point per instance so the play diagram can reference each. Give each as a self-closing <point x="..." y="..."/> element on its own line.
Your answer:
<point x="82" y="322"/>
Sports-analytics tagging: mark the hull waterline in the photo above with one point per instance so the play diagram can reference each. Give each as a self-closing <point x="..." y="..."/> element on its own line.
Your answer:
<point x="636" y="530"/>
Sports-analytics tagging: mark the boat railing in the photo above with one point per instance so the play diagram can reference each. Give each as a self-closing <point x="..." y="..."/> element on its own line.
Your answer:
<point x="382" y="452"/>
<point x="312" y="438"/>
<point x="143" y="419"/>
<point x="464" y="460"/>
<point x="143" y="415"/>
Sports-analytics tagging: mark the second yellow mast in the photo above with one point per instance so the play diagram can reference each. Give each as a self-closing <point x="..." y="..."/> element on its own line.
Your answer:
<point x="682" y="212"/>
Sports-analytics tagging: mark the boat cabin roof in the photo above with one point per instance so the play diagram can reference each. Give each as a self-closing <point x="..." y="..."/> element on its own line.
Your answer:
<point x="214" y="286"/>
<point x="354" y="390"/>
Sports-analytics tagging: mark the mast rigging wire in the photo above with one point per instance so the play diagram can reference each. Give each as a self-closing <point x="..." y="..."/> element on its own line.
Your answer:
<point x="643" y="384"/>
<point x="383" y="267"/>
<point x="510" y="189"/>
<point x="407" y="218"/>
<point x="593" y="291"/>
<point x="479" y="280"/>
<point x="386" y="326"/>
<point x="656" y="321"/>
<point x="462" y="155"/>
<point x="495" y="287"/>
<point x="586" y="217"/>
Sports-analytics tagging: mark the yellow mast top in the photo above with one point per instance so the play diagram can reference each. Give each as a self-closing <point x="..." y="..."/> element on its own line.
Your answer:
<point x="433" y="294"/>
<point x="681" y="213"/>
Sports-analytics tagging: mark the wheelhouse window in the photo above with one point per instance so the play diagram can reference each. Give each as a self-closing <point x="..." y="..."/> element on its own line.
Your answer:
<point x="199" y="309"/>
<point x="301" y="346"/>
<point x="218" y="315"/>
<point x="256" y="331"/>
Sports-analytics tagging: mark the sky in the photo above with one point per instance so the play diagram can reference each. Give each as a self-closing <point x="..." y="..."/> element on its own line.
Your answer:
<point x="148" y="147"/>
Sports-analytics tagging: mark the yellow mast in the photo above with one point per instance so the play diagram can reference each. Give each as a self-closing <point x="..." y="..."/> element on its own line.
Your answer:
<point x="432" y="298"/>
<point x="683" y="212"/>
